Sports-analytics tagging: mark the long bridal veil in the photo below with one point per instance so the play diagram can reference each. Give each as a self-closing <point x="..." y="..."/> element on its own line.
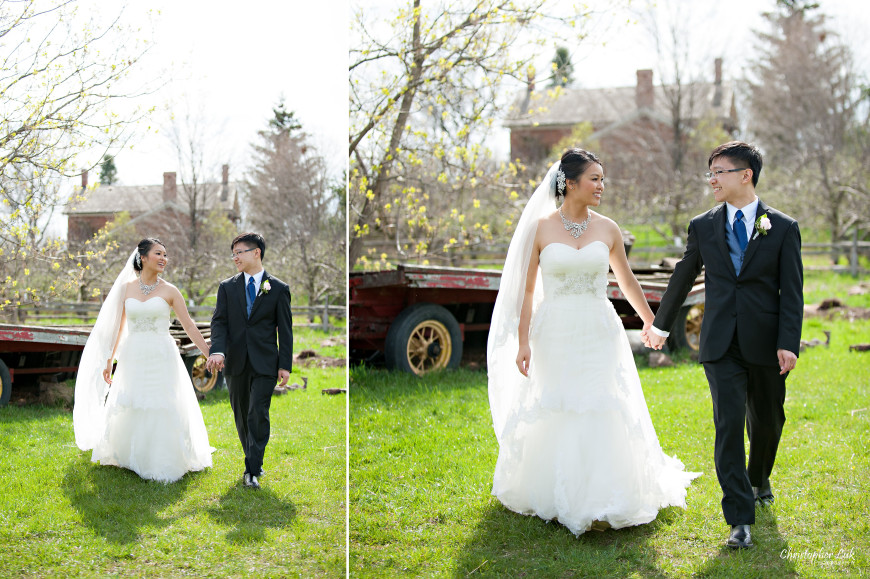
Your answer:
<point x="505" y="380"/>
<point x="91" y="390"/>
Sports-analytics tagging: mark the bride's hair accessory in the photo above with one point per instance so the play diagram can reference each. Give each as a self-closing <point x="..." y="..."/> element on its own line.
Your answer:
<point x="560" y="182"/>
<point x="138" y="261"/>
<point x="575" y="229"/>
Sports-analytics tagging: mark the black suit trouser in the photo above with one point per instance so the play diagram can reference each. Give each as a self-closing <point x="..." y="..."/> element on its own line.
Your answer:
<point x="250" y="398"/>
<point x="753" y="395"/>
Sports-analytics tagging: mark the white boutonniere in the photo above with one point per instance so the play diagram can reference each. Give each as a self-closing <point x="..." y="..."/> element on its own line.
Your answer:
<point x="762" y="224"/>
<point x="265" y="287"/>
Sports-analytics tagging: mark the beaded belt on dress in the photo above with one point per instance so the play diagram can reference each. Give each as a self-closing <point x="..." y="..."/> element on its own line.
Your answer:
<point x="574" y="284"/>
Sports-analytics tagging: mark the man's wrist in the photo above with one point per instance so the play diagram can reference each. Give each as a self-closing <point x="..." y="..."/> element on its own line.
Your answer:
<point x="659" y="333"/>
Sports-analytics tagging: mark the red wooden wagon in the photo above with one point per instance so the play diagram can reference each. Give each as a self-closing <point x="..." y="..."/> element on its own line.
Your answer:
<point x="419" y="317"/>
<point x="29" y="352"/>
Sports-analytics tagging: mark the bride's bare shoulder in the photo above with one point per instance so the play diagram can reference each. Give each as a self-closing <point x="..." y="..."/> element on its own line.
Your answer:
<point x="548" y="220"/>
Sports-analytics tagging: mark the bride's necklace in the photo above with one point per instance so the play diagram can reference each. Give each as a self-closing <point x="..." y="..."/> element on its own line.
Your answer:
<point x="147" y="289"/>
<point x="575" y="229"/>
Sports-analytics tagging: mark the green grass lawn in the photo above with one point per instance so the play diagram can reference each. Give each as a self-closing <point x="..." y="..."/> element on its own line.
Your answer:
<point x="423" y="453"/>
<point x="62" y="516"/>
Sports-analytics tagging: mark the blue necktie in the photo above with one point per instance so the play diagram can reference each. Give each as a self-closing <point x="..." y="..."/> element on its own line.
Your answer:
<point x="252" y="292"/>
<point x="740" y="230"/>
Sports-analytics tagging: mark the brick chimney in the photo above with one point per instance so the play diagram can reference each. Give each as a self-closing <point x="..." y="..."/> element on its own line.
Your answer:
<point x="643" y="95"/>
<point x="170" y="187"/>
<point x="225" y="182"/>
<point x="717" y="87"/>
<point x="84" y="179"/>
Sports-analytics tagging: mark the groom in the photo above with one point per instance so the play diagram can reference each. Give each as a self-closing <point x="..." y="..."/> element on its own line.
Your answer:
<point x="252" y="309"/>
<point x="750" y="336"/>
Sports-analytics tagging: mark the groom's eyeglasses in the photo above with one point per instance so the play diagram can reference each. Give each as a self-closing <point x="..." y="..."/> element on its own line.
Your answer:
<point x="710" y="174"/>
<point x="241" y="251"/>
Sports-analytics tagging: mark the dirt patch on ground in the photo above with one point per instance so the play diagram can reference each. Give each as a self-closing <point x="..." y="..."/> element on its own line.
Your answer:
<point x="310" y="358"/>
<point x="833" y="308"/>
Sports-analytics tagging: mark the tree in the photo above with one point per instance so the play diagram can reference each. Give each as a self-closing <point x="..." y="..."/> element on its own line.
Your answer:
<point x="108" y="171"/>
<point x="656" y="162"/>
<point x="563" y="68"/>
<point x="59" y="75"/>
<point x="198" y="237"/>
<point x="424" y="95"/>
<point x="809" y="114"/>
<point x="299" y="209"/>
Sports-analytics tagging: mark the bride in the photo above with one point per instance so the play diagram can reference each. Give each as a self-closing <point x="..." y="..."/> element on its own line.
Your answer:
<point x="576" y="442"/>
<point x="146" y="417"/>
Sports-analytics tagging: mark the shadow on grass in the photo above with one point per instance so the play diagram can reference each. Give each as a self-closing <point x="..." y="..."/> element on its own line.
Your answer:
<point x="391" y="386"/>
<point x="250" y="512"/>
<point x="766" y="559"/>
<point x="506" y="544"/>
<point x="116" y="503"/>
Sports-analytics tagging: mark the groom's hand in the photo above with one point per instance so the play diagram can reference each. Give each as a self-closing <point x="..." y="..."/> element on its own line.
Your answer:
<point x="284" y="376"/>
<point x="651" y="339"/>
<point x="787" y="361"/>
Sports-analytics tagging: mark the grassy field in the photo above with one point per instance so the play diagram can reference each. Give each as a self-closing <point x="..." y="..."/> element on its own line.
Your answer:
<point x="62" y="516"/>
<point x="423" y="452"/>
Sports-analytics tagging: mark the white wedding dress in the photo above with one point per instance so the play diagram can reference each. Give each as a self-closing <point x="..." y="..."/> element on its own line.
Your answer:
<point x="578" y="444"/>
<point x="152" y="423"/>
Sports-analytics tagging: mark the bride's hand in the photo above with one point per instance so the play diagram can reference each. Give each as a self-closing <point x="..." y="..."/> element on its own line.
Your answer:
<point x="524" y="357"/>
<point x="107" y="373"/>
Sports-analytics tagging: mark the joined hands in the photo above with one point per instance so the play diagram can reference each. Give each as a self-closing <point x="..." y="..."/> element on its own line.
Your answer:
<point x="215" y="363"/>
<point x="651" y="339"/>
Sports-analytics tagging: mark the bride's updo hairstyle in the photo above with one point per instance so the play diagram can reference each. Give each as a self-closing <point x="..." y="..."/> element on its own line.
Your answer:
<point x="144" y="247"/>
<point x="574" y="162"/>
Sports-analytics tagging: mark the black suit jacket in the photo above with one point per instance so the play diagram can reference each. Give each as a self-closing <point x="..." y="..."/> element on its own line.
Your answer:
<point x="766" y="299"/>
<point x="239" y="337"/>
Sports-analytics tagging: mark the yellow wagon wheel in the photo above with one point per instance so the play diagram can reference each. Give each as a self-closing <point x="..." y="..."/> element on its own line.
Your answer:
<point x="693" y="326"/>
<point x="423" y="338"/>
<point x="686" y="332"/>
<point x="203" y="380"/>
<point x="429" y="347"/>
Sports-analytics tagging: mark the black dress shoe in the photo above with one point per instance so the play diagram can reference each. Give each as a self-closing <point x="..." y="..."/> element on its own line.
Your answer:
<point x="740" y="537"/>
<point x="251" y="481"/>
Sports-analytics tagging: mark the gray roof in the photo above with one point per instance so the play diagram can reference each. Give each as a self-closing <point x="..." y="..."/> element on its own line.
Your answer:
<point x="137" y="199"/>
<point x="605" y="106"/>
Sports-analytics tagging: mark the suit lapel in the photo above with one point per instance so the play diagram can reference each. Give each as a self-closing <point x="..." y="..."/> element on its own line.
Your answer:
<point x="240" y="292"/>
<point x="755" y="239"/>
<point x="720" y="219"/>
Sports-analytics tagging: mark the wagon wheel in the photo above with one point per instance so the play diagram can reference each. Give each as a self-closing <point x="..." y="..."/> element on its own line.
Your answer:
<point x="423" y="338"/>
<point x="5" y="384"/>
<point x="686" y="332"/>
<point x="203" y="380"/>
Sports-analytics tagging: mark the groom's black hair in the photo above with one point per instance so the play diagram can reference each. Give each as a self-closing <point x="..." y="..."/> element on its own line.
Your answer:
<point x="251" y="239"/>
<point x="740" y="152"/>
